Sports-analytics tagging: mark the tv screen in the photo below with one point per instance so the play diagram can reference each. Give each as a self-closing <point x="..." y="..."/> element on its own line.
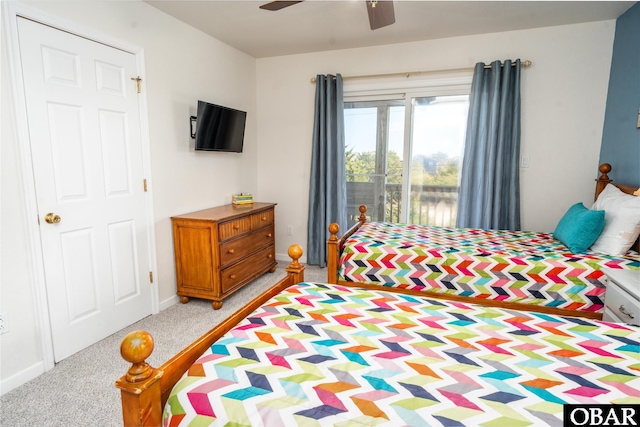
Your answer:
<point x="219" y="128"/>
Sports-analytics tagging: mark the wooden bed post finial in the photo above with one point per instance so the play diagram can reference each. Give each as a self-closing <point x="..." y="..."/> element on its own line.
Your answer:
<point x="140" y="386"/>
<point x="604" y="169"/>
<point x="295" y="252"/>
<point x="295" y="269"/>
<point x="603" y="179"/>
<point x="136" y="347"/>
<point x="363" y="210"/>
<point x="334" y="229"/>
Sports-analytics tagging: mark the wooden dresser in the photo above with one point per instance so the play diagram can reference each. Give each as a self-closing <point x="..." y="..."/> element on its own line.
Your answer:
<point x="221" y="249"/>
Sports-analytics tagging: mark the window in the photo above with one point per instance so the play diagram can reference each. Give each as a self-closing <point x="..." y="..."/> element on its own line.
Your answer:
<point x="374" y="138"/>
<point x="403" y="156"/>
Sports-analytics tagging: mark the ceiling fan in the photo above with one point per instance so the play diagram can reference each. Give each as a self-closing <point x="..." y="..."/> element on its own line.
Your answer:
<point x="380" y="12"/>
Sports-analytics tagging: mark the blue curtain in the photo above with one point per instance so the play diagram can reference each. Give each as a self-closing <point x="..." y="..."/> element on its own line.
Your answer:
<point x="328" y="187"/>
<point x="489" y="195"/>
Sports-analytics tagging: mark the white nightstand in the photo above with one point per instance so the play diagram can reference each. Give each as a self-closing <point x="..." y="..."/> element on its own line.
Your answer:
<point x="622" y="300"/>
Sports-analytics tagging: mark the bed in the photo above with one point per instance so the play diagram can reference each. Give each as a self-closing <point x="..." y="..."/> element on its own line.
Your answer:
<point x="312" y="354"/>
<point x="513" y="269"/>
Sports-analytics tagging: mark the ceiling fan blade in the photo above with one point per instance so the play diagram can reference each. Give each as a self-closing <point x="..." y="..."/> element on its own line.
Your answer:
<point x="381" y="13"/>
<point x="279" y="4"/>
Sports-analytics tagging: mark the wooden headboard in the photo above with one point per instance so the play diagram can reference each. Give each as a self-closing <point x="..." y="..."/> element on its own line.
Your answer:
<point x="602" y="182"/>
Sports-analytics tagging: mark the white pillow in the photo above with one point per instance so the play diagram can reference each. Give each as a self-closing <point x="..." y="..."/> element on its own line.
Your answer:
<point x="621" y="221"/>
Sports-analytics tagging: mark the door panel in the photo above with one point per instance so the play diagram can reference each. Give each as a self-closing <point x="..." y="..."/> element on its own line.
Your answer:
<point x="60" y="67"/>
<point x="115" y="148"/>
<point x="84" y="130"/>
<point x="78" y="258"/>
<point x="110" y="79"/>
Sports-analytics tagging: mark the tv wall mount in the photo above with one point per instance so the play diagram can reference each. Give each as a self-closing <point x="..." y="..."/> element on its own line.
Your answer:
<point x="193" y="123"/>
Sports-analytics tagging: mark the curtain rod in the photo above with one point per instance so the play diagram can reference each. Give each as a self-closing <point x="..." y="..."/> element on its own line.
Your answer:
<point x="525" y="64"/>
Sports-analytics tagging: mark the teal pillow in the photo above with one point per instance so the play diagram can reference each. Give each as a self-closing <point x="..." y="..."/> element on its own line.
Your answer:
<point x="579" y="228"/>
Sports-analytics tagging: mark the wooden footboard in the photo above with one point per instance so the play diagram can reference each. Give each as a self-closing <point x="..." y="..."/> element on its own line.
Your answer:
<point x="144" y="389"/>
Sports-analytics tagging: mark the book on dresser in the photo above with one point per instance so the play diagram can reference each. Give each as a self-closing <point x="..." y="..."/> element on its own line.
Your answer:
<point x="242" y="199"/>
<point x="221" y="249"/>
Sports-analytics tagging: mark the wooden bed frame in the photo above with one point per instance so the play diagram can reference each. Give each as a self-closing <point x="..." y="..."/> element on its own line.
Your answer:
<point x="336" y="243"/>
<point x="144" y="389"/>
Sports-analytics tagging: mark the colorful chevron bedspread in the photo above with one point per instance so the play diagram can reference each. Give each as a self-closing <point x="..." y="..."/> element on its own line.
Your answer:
<point x="513" y="266"/>
<point x="332" y="355"/>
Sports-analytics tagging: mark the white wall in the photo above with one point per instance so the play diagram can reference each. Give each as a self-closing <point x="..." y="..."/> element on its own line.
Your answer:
<point x="563" y="102"/>
<point x="182" y="65"/>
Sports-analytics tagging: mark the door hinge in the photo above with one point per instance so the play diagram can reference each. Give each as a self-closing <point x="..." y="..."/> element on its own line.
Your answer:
<point x="144" y="185"/>
<point x="137" y="80"/>
<point x="151" y="277"/>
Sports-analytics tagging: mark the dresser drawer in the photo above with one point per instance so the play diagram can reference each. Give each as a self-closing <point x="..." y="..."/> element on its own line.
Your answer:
<point x="261" y="219"/>
<point x="609" y="316"/>
<point x="229" y="229"/>
<point x="622" y="304"/>
<point x="237" y="274"/>
<point x="233" y="250"/>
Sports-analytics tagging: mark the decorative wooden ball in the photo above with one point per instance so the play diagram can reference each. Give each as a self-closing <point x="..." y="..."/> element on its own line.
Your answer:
<point x="334" y="228"/>
<point x="295" y="252"/>
<point x="136" y="347"/>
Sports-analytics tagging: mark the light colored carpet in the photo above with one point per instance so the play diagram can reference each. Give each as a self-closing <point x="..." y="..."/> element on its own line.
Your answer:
<point x="80" y="390"/>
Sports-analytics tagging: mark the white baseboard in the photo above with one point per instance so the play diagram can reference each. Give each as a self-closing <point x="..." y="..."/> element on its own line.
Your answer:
<point x="169" y="302"/>
<point x="21" y="377"/>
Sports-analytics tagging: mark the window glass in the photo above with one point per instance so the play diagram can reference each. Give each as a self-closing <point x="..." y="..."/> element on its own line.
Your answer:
<point x="380" y="151"/>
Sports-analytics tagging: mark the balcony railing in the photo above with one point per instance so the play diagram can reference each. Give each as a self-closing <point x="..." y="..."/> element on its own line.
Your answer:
<point x="428" y="204"/>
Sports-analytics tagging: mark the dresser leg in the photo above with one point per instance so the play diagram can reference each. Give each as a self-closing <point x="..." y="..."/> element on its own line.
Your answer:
<point x="184" y="300"/>
<point x="216" y="304"/>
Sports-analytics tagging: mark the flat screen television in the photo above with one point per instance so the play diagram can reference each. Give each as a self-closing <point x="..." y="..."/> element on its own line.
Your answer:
<point x="219" y="128"/>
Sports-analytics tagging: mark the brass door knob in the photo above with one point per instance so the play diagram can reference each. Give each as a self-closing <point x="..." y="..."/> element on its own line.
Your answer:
<point x="52" y="218"/>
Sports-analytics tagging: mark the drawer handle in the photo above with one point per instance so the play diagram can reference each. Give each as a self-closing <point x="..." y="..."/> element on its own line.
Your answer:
<point x="264" y="218"/>
<point x="232" y="277"/>
<point x="232" y="251"/>
<point x="271" y="256"/>
<point x="269" y="234"/>
<point x="625" y="312"/>
<point x="236" y="226"/>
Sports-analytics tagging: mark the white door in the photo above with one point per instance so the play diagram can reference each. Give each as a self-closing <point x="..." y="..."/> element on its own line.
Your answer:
<point x="84" y="128"/>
